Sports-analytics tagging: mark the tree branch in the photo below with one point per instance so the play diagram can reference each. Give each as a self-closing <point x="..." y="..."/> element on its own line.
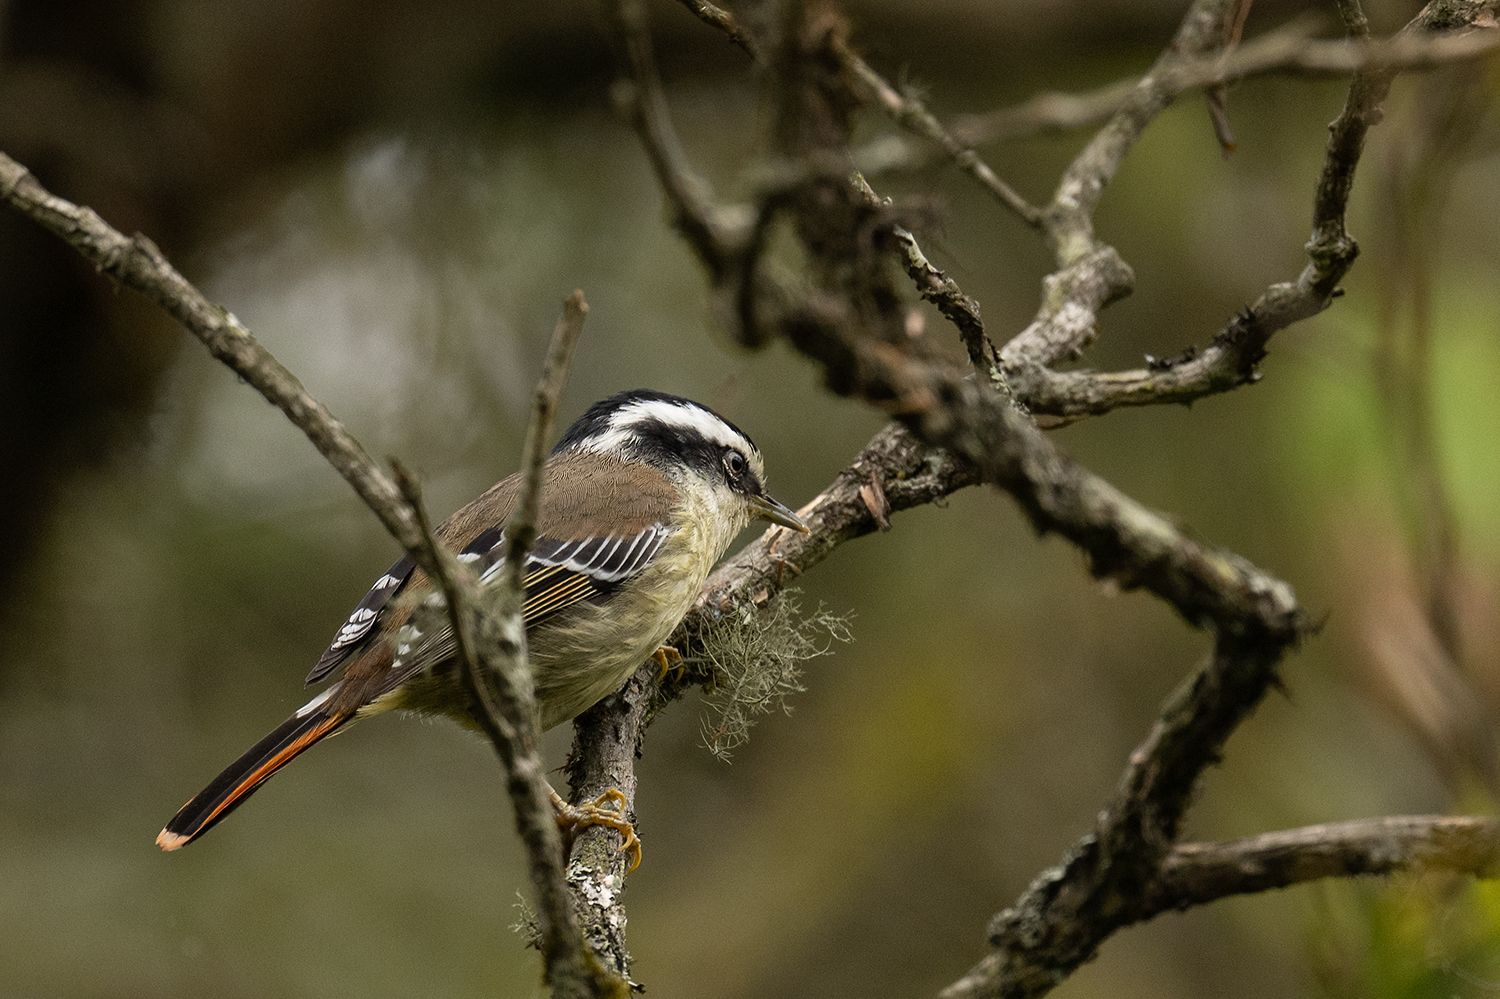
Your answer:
<point x="942" y="291"/>
<point x="1232" y="355"/>
<point x="491" y="640"/>
<point x="693" y="210"/>
<point x="1198" y="873"/>
<point x="726" y="22"/>
<point x="491" y="633"/>
<point x="607" y="737"/>
<point x="1060" y="921"/>
<point x="520" y="531"/>
<point x="1090" y="273"/>
<point x="911" y="114"/>
<point x="136" y="263"/>
<point x="1286" y="51"/>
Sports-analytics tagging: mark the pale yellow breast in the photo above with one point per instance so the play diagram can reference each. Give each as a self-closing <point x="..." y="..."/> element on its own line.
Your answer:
<point x="589" y="650"/>
<point x="590" y="654"/>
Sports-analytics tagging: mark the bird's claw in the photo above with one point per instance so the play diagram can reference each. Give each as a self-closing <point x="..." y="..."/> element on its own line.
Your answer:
<point x="670" y="662"/>
<point x="608" y="811"/>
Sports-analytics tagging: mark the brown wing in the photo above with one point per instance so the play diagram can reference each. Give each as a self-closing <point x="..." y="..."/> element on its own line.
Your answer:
<point x="600" y="522"/>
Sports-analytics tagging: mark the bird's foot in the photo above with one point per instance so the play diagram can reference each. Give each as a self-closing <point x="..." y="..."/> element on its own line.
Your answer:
<point x="670" y="661"/>
<point x="608" y="810"/>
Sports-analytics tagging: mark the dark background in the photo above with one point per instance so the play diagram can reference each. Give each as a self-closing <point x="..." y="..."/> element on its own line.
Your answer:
<point x="396" y="198"/>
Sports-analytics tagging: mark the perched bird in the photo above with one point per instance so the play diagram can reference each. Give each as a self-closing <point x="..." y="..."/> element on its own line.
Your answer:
<point x="640" y="497"/>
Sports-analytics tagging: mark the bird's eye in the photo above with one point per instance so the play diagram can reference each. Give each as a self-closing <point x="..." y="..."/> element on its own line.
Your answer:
<point x="734" y="464"/>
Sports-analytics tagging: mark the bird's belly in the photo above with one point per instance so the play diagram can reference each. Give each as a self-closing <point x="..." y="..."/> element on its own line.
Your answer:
<point x="589" y="652"/>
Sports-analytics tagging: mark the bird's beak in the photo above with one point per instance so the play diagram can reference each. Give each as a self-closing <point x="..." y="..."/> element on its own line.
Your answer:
<point x="778" y="513"/>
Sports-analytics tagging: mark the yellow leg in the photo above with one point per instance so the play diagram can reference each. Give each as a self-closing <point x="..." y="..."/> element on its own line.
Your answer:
<point x="670" y="661"/>
<point x="607" y="810"/>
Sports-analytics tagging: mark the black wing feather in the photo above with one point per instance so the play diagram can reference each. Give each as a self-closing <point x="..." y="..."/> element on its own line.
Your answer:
<point x="361" y="620"/>
<point x="559" y="573"/>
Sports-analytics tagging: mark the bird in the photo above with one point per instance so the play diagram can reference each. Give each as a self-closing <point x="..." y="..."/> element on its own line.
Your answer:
<point x="640" y="497"/>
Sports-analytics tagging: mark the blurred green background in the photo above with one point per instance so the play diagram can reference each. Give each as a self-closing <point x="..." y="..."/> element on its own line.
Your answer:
<point x="396" y="198"/>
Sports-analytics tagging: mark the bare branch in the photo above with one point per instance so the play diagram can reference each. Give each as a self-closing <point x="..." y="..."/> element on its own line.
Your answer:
<point x="491" y="652"/>
<point x="1194" y="874"/>
<point x="1199" y="873"/>
<point x="520" y="531"/>
<point x="641" y="99"/>
<point x="912" y="115"/>
<point x="1231" y="357"/>
<point x="495" y="636"/>
<point x="1072" y="298"/>
<point x="497" y="677"/>
<point x="1255" y="615"/>
<point x="726" y="22"/>
<point x="607" y="738"/>
<point x="1228" y="361"/>
<point x="136" y="263"/>
<point x="1059" y="921"/>
<point x="605" y="743"/>
<point x="1286" y="51"/>
<point x="942" y="291"/>
<point x="910" y="474"/>
<point x="1217" y="95"/>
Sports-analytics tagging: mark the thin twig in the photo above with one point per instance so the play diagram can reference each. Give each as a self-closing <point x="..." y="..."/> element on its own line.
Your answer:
<point x="942" y="291"/>
<point x="1285" y="51"/>
<point x="491" y="645"/>
<point x="641" y="99"/>
<point x="1218" y="95"/>
<point x="520" y="530"/>
<point x="491" y="652"/>
<point x="911" y="114"/>
<point x="727" y="23"/>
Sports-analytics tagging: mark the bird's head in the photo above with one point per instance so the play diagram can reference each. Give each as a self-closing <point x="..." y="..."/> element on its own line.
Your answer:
<point x="691" y="444"/>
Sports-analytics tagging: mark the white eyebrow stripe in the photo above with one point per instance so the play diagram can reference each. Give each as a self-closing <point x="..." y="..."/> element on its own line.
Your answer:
<point x="685" y="416"/>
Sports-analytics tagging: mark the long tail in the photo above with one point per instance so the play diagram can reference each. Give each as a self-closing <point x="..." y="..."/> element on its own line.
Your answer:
<point x="240" y="779"/>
